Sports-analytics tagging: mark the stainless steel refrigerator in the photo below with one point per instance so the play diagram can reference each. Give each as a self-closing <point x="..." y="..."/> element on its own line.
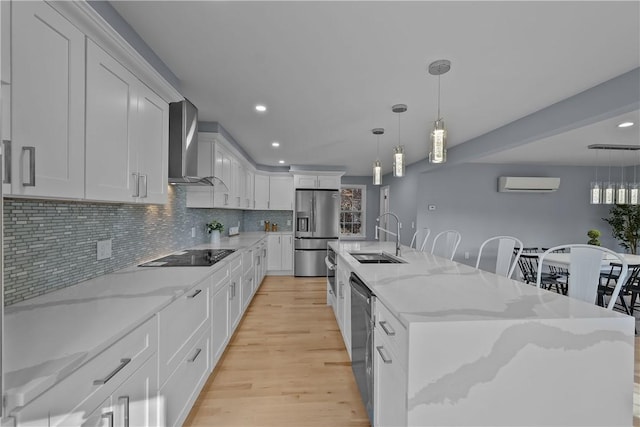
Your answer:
<point x="317" y="222"/>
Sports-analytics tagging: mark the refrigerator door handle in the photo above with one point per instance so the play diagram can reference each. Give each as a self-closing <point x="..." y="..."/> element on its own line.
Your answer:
<point x="313" y="214"/>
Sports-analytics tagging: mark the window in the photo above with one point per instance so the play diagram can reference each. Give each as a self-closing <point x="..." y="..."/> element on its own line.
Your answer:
<point x="352" y="211"/>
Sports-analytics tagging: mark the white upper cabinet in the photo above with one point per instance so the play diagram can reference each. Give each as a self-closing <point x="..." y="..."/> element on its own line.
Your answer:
<point x="327" y="182"/>
<point x="261" y="191"/>
<point x="48" y="103"/>
<point x="127" y="134"/>
<point x="281" y="192"/>
<point x="248" y="196"/>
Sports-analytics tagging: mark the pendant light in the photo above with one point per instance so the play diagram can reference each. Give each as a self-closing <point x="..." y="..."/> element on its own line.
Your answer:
<point x="634" y="188"/>
<point x="596" y="187"/>
<point x="438" y="153"/>
<point x="377" y="166"/>
<point x="398" y="151"/>
<point x="609" y="190"/>
<point x="622" y="192"/>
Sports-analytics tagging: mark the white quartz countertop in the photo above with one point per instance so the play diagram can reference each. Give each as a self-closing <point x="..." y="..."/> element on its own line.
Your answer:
<point x="428" y="288"/>
<point x="48" y="337"/>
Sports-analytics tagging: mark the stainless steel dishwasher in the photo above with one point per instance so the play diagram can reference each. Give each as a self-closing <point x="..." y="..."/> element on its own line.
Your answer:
<point x="362" y="300"/>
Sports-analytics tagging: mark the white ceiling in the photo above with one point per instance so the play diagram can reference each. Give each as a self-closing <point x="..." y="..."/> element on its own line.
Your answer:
<point x="329" y="72"/>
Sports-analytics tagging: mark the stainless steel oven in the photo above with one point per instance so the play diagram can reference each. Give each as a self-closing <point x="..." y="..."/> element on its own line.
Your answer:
<point x="330" y="261"/>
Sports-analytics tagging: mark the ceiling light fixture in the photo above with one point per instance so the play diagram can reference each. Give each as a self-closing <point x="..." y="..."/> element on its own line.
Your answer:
<point x="261" y="108"/>
<point x="275" y="144"/>
<point x="625" y="124"/>
<point x="281" y="161"/>
<point x="438" y="153"/>
<point x="398" y="151"/>
<point x="377" y="166"/>
<point x="621" y="193"/>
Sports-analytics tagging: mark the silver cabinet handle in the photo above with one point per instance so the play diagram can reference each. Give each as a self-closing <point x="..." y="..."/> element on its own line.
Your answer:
<point x="195" y="356"/>
<point x="382" y="355"/>
<point x="195" y="294"/>
<point x="6" y="155"/>
<point x="125" y="412"/>
<point x="123" y="363"/>
<point x="386" y="328"/>
<point x="136" y="185"/>
<point x="32" y="166"/>
<point x="143" y="183"/>
<point x="109" y="416"/>
<point x="226" y="199"/>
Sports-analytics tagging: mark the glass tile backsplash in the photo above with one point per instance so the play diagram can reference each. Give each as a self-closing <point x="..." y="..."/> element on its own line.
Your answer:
<point x="50" y="245"/>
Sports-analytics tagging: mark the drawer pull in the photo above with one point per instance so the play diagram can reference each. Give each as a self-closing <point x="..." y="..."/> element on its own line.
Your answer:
<point x="125" y="412"/>
<point x="109" y="416"/>
<point x="385" y="359"/>
<point x="123" y="363"/>
<point x="195" y="294"/>
<point x="136" y="186"/>
<point x="6" y="155"/>
<point x="386" y="328"/>
<point x="195" y="356"/>
<point x="32" y="166"/>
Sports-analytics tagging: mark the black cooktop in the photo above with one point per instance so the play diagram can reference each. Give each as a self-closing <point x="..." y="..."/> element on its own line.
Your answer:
<point x="190" y="257"/>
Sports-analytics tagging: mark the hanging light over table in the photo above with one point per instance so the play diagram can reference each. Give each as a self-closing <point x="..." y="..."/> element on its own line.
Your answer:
<point x="438" y="152"/>
<point x="608" y="193"/>
<point x="596" y="187"/>
<point x="377" y="166"/>
<point x="398" y="151"/>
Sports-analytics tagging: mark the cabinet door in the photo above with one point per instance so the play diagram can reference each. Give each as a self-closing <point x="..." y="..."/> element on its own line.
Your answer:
<point x="103" y="416"/>
<point x="136" y="399"/>
<point x="235" y="301"/>
<point x="389" y="390"/>
<point x="330" y="182"/>
<point x="111" y="145"/>
<point x="261" y="191"/>
<point x="222" y="169"/>
<point x="220" y="326"/>
<point x="248" y="190"/>
<point x="281" y="193"/>
<point x="238" y="183"/>
<point x="152" y="130"/>
<point x="274" y="248"/>
<point x="48" y="103"/>
<point x="247" y="289"/>
<point x="287" y="252"/>
<point x="305" y="181"/>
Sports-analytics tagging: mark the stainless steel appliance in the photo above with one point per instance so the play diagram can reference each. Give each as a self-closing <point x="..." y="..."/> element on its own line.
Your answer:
<point x="330" y="261"/>
<point x="362" y="306"/>
<point x="190" y="258"/>
<point x="317" y="221"/>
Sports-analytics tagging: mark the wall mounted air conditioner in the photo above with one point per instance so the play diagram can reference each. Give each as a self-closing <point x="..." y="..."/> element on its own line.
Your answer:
<point x="527" y="184"/>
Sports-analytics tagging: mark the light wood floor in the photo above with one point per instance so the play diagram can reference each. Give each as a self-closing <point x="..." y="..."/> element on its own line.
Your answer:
<point x="287" y="366"/>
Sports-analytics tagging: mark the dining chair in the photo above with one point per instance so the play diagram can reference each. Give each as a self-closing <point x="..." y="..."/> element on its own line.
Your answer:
<point x="450" y="241"/>
<point x="508" y="248"/>
<point x="630" y="287"/>
<point x="416" y="239"/>
<point x="585" y="262"/>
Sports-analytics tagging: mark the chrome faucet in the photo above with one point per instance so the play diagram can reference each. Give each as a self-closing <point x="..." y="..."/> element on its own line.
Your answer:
<point x="397" y="234"/>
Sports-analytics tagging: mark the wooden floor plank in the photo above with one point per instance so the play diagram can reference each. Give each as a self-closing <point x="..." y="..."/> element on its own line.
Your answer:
<point x="286" y="365"/>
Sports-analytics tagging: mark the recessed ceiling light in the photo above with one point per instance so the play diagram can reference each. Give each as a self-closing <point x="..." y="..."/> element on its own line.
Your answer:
<point x="625" y="124"/>
<point x="261" y="108"/>
<point x="281" y="161"/>
<point x="275" y="144"/>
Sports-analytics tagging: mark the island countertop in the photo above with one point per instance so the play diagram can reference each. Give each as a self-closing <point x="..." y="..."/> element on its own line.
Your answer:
<point x="428" y="288"/>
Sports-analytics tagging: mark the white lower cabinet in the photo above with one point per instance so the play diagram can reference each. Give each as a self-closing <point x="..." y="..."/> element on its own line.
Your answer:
<point x="343" y="303"/>
<point x="219" y="315"/>
<point x="280" y="249"/>
<point x="183" y="386"/>
<point x="70" y="401"/>
<point x="235" y="300"/>
<point x="390" y="369"/>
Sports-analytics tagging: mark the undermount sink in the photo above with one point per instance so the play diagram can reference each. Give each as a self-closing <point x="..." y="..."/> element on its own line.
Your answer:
<point x="376" y="258"/>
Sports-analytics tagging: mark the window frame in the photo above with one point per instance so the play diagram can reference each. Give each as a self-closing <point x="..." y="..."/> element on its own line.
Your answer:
<point x="363" y="215"/>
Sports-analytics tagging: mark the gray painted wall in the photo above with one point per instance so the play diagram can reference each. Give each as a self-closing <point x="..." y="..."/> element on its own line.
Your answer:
<point x="466" y="199"/>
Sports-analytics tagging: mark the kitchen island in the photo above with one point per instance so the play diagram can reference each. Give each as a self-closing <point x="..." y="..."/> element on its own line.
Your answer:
<point x="460" y="346"/>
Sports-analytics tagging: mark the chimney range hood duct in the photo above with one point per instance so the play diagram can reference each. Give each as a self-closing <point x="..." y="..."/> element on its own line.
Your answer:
<point x="183" y="146"/>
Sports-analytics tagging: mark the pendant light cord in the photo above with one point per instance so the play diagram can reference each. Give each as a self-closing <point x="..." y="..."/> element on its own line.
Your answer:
<point x="439" y="95"/>
<point x="378" y="150"/>
<point x="399" y="129"/>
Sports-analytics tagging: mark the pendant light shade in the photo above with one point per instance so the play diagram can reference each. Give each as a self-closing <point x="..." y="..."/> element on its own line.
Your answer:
<point x="438" y="137"/>
<point x="377" y="166"/>
<point x="596" y="193"/>
<point x="398" y="151"/>
<point x="619" y="193"/>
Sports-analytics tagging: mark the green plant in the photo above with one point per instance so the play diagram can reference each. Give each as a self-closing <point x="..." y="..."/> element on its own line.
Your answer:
<point x="593" y="235"/>
<point x="625" y="225"/>
<point x="215" y="225"/>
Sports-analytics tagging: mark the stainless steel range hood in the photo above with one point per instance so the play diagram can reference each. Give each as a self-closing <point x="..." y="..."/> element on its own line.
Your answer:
<point x="183" y="146"/>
